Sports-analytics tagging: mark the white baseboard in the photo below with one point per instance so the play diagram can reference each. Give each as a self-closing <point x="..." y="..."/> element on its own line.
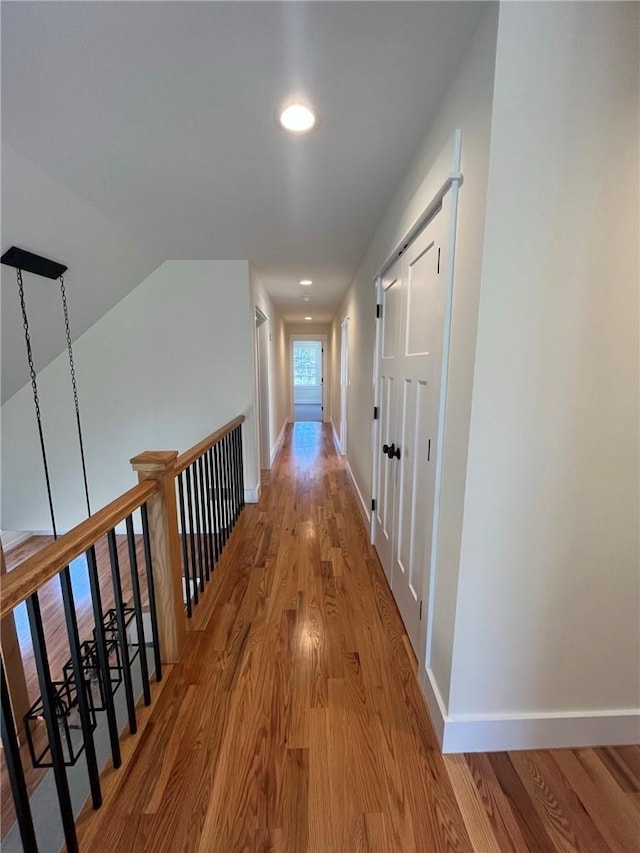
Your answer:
<point x="252" y="496"/>
<point x="277" y="447"/>
<point x="13" y="538"/>
<point x="365" y="508"/>
<point x="542" y="731"/>
<point x="435" y="703"/>
<point x="527" y="731"/>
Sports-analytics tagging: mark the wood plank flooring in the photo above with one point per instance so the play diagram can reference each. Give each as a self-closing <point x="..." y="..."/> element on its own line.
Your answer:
<point x="295" y="721"/>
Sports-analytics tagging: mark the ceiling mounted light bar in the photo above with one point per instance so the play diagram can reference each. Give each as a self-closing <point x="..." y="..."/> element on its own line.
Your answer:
<point x="36" y="264"/>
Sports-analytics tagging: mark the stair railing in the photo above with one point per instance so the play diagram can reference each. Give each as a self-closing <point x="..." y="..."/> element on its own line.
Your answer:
<point x="171" y="528"/>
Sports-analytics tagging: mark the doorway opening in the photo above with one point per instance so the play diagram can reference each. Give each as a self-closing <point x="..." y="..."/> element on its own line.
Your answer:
<point x="307" y="378"/>
<point x="262" y="372"/>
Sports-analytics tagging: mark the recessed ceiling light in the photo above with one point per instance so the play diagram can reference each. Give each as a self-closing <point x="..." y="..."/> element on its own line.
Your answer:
<point x="306" y="282"/>
<point x="308" y="318"/>
<point x="297" y="118"/>
<point x="306" y="299"/>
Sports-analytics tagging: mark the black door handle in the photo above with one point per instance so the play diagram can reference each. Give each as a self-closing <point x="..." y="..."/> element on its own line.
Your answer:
<point x="391" y="450"/>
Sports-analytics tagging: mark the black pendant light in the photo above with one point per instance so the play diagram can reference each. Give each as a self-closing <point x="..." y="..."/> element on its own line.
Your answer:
<point x="67" y="693"/>
<point x="24" y="261"/>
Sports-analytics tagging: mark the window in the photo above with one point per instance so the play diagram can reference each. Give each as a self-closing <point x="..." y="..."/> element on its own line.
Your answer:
<point x="307" y="363"/>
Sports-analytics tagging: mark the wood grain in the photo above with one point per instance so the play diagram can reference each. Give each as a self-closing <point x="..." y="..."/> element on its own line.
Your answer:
<point x="164" y="541"/>
<point x="13" y="664"/>
<point x="294" y="720"/>
<point x="37" y="570"/>
<point x="185" y="459"/>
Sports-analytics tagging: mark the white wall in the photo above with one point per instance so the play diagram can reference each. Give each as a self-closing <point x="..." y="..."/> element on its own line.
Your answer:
<point x="170" y="363"/>
<point x="548" y="611"/>
<point x="467" y="105"/>
<point x="277" y="360"/>
<point x="105" y="260"/>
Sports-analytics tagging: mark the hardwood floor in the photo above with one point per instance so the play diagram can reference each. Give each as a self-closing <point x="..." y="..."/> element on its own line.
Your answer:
<point x="54" y="625"/>
<point x="295" y="722"/>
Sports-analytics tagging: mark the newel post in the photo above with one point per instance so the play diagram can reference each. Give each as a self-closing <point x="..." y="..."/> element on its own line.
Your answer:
<point x="165" y="549"/>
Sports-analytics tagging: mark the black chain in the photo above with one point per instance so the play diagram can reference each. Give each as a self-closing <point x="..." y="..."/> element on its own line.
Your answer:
<point x="74" y="385"/>
<point x="36" y="400"/>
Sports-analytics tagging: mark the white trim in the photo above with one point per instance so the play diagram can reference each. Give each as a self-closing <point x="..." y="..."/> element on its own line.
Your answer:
<point x="261" y="429"/>
<point x="451" y="183"/>
<point x="344" y="383"/>
<point x="542" y="731"/>
<point x="252" y="496"/>
<point x="277" y="447"/>
<point x="486" y="733"/>
<point x="336" y="439"/>
<point x="363" y="504"/>
<point x="453" y="179"/>
<point x="430" y="578"/>
<point x="375" y="423"/>
<point x="325" y="370"/>
<point x="13" y="538"/>
<point x="435" y="703"/>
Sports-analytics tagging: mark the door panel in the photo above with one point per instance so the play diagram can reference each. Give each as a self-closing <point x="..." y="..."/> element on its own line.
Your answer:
<point x="419" y="294"/>
<point x="407" y="465"/>
<point x="417" y="366"/>
<point x="387" y="472"/>
<point x="391" y="309"/>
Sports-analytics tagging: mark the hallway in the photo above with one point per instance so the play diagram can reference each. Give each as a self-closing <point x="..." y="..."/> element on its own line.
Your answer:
<point x="295" y="722"/>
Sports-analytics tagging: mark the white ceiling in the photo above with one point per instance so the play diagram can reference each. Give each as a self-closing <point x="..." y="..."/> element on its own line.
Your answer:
<point x="161" y="116"/>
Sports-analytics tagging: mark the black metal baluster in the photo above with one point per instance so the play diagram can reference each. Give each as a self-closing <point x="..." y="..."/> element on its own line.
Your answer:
<point x="187" y="476"/>
<point x="242" y="501"/>
<point x="137" y="606"/>
<point x="232" y="482"/>
<point x="230" y="478"/>
<point x="209" y="490"/>
<point x="151" y="589"/>
<point x="196" y="500"/>
<point x="122" y="630"/>
<point x="209" y="484"/>
<point x="234" y="475"/>
<point x="48" y="704"/>
<point x="205" y="517"/>
<point x="227" y="441"/>
<point x="236" y="471"/>
<point x="218" y="505"/>
<point x="80" y="679"/>
<point x="103" y="657"/>
<point x="223" y="502"/>
<point x="16" y="771"/>
<point x="216" y="501"/>
<point x="185" y="547"/>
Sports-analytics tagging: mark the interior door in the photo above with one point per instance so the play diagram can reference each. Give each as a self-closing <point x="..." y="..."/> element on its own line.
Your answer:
<point x="410" y="366"/>
<point x="418" y="369"/>
<point x="391" y="293"/>
<point x="308" y="380"/>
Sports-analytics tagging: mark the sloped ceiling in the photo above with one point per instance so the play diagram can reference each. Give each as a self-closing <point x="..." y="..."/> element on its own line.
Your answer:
<point x="157" y="120"/>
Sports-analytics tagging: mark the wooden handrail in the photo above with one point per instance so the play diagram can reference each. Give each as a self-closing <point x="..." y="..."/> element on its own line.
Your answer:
<point x="29" y="576"/>
<point x="185" y="459"/>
